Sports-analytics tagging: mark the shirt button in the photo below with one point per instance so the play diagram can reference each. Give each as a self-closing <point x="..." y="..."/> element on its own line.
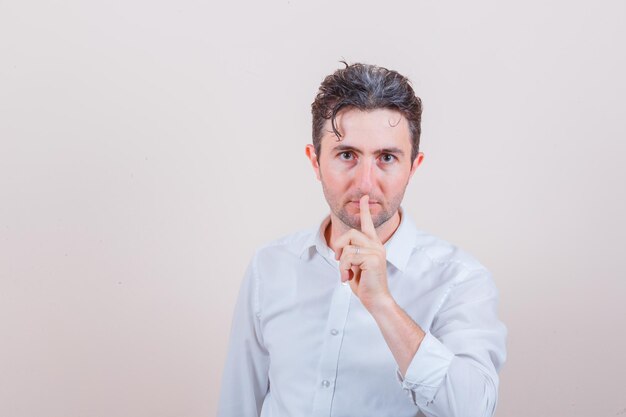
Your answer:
<point x="334" y="332"/>
<point x="326" y="383"/>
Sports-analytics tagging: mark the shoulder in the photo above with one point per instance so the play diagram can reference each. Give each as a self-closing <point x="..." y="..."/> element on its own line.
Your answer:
<point x="456" y="272"/>
<point x="285" y="247"/>
<point x="445" y="254"/>
<point x="275" y="264"/>
<point x="444" y="265"/>
<point x="425" y="253"/>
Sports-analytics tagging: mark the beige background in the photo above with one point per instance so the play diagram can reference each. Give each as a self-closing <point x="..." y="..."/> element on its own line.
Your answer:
<point x="148" y="147"/>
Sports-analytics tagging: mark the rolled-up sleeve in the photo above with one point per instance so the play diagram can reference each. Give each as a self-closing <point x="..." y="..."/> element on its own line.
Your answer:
<point x="455" y="370"/>
<point x="245" y="376"/>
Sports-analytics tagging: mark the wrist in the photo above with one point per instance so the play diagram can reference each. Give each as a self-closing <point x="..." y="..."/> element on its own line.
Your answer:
<point x="381" y="306"/>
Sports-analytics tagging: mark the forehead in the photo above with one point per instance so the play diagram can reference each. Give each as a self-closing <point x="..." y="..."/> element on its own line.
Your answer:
<point x="368" y="129"/>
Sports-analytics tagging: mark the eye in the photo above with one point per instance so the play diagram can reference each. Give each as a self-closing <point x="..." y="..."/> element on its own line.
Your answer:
<point x="346" y="156"/>
<point x="387" y="158"/>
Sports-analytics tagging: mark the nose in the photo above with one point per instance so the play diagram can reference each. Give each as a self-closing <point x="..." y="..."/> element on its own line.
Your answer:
<point x="365" y="176"/>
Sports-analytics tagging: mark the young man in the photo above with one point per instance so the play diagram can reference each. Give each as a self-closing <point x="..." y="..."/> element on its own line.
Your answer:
<point x="350" y="317"/>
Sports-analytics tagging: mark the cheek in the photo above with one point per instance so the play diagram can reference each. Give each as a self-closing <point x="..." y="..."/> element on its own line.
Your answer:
<point x="393" y="182"/>
<point x="334" y="183"/>
<point x="336" y="175"/>
<point x="337" y="166"/>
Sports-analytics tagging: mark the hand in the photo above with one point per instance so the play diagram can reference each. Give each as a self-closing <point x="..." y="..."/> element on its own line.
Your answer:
<point x="363" y="261"/>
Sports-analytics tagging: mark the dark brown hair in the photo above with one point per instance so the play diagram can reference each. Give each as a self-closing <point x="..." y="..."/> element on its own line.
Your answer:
<point x="365" y="87"/>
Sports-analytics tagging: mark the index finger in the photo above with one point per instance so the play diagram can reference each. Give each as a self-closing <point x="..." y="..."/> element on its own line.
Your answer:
<point x="367" y="225"/>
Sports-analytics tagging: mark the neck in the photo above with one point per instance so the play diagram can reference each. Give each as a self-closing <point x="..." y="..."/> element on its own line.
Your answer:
<point x="337" y="228"/>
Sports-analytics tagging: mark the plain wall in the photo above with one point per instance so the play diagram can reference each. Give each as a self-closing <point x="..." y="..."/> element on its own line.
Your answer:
<point x="148" y="147"/>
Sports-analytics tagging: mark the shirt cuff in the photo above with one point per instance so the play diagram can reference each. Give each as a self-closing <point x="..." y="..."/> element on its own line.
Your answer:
<point x="426" y="371"/>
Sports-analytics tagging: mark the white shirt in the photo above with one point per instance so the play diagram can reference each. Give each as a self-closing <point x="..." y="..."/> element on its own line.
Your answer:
<point x="302" y="344"/>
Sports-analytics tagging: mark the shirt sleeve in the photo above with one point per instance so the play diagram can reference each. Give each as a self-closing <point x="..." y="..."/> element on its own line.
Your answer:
<point x="455" y="370"/>
<point x="245" y="380"/>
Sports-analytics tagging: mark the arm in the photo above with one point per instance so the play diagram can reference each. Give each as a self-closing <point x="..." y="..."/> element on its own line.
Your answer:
<point x="245" y="377"/>
<point x="402" y="334"/>
<point x="450" y="370"/>
<point x="453" y="372"/>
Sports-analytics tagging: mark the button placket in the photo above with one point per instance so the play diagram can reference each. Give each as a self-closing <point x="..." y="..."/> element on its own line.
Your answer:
<point x="329" y="359"/>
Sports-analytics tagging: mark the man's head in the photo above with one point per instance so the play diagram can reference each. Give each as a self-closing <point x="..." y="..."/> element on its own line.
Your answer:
<point x="365" y="87"/>
<point x="365" y="141"/>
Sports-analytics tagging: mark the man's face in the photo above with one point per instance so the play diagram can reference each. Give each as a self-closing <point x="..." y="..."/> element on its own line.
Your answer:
<point x="373" y="157"/>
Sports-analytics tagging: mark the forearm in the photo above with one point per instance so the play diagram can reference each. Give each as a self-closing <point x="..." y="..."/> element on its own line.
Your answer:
<point x="401" y="333"/>
<point x="439" y="382"/>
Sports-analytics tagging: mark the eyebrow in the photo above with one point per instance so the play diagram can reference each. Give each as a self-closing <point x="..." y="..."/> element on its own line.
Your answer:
<point x="343" y="148"/>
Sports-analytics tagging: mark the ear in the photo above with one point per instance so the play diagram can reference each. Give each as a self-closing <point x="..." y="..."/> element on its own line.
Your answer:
<point x="310" y="153"/>
<point x="417" y="162"/>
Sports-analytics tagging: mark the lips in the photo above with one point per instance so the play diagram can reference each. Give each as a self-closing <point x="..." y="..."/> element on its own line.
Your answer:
<point x="357" y="202"/>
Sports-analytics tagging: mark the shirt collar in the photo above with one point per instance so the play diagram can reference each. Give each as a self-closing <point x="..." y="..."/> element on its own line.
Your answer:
<point x="399" y="247"/>
<point x="401" y="244"/>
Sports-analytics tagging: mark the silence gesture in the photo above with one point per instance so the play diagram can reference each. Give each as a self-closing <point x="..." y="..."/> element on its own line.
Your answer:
<point x="362" y="260"/>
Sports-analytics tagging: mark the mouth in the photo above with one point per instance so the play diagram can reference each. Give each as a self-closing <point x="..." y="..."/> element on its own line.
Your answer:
<point x="358" y="203"/>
